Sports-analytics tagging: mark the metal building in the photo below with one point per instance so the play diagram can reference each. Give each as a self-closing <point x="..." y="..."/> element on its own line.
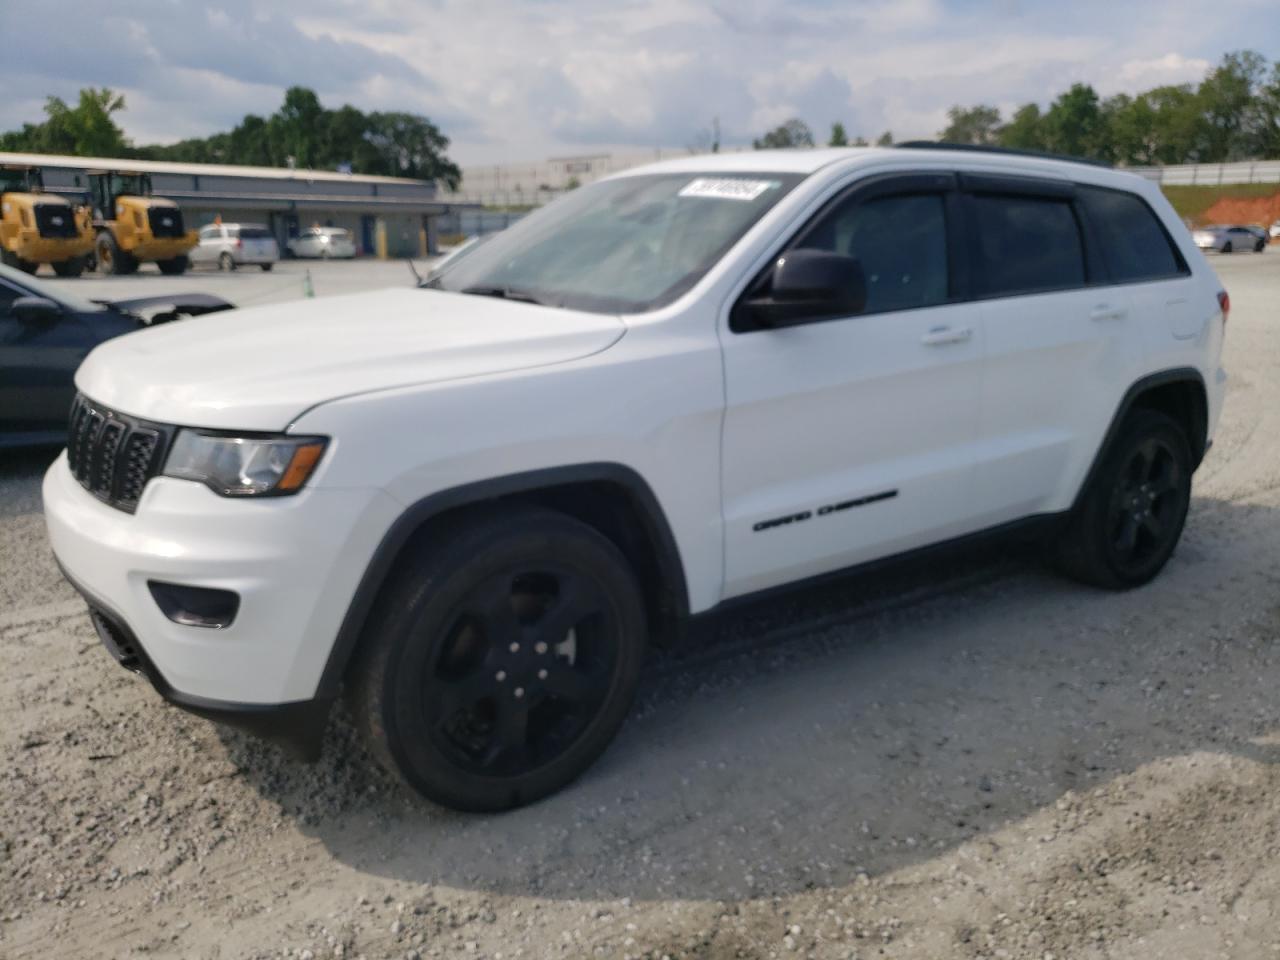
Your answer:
<point x="387" y="216"/>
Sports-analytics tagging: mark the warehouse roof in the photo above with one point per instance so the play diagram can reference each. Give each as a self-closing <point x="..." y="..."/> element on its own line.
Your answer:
<point x="195" y="169"/>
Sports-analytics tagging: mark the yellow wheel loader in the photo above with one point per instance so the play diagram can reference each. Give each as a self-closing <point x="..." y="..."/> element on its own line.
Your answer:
<point x="133" y="226"/>
<point x="38" y="227"/>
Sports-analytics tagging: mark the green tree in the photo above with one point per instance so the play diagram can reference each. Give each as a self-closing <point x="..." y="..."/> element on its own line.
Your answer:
<point x="794" y="133"/>
<point x="885" y="139"/>
<point x="1074" y="124"/>
<point x="86" y="129"/>
<point x="1226" y="97"/>
<point x="1025" y="130"/>
<point x="838" y="137"/>
<point x="1264" y="117"/>
<point x="976" y="125"/>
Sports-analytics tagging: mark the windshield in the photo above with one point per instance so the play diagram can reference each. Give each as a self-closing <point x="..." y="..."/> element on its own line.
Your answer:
<point x="619" y="246"/>
<point x="38" y="288"/>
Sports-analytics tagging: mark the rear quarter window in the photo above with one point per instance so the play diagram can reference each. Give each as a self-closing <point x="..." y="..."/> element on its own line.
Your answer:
<point x="1134" y="242"/>
<point x="255" y="233"/>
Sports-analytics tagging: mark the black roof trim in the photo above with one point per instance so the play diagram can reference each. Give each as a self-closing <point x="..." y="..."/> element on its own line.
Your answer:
<point x="1010" y="151"/>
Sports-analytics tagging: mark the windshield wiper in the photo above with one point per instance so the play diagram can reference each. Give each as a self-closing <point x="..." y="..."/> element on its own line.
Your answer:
<point x="503" y="293"/>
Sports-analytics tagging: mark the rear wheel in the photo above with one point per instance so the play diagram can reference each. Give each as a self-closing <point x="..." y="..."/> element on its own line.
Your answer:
<point x="1226" y="247"/>
<point x="1259" y="246"/>
<point x="28" y="266"/>
<point x="70" y="268"/>
<point x="1131" y="515"/>
<point x="174" y="266"/>
<point x="266" y="267"/>
<point x="113" y="260"/>
<point x="503" y="659"/>
<point x="226" y="262"/>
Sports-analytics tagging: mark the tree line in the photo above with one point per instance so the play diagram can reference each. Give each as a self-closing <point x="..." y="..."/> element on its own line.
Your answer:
<point x="1232" y="114"/>
<point x="302" y="134"/>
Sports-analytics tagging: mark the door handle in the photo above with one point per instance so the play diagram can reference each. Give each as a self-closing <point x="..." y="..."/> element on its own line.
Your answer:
<point x="940" y="336"/>
<point x="1105" y="311"/>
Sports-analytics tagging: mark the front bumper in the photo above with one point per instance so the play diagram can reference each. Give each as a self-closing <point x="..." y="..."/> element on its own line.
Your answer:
<point x="37" y="249"/>
<point x="294" y="563"/>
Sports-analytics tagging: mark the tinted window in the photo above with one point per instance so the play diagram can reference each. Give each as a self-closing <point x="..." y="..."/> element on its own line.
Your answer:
<point x="208" y="233"/>
<point x="1134" y="243"/>
<point x="1028" y="244"/>
<point x="255" y="233"/>
<point x="901" y="242"/>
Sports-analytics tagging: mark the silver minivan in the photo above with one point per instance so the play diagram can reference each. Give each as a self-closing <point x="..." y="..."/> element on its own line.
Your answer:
<point x="231" y="245"/>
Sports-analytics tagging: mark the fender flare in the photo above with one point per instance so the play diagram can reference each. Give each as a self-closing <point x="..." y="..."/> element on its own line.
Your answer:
<point x="422" y="511"/>
<point x="1160" y="379"/>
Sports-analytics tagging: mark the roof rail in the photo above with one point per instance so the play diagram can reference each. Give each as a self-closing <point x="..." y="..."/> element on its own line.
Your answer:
<point x="1010" y="151"/>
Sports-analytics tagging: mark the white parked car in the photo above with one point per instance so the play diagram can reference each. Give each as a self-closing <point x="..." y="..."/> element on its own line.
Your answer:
<point x="1229" y="239"/>
<point x="232" y="245"/>
<point x="468" y="508"/>
<point x="324" y="242"/>
<point x="1275" y="230"/>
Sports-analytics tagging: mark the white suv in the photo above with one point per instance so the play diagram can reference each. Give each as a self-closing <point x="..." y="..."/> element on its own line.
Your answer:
<point x="232" y="245"/>
<point x="471" y="506"/>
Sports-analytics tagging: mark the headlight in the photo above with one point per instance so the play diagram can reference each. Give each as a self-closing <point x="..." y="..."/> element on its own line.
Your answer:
<point x="244" y="466"/>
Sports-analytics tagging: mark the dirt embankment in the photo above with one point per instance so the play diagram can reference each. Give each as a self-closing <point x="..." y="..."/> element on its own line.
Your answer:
<point x="1262" y="211"/>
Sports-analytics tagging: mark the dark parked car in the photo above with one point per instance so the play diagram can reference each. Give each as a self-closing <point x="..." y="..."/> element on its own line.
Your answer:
<point x="44" y="334"/>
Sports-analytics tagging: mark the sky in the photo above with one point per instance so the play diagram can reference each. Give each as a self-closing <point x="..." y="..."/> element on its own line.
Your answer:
<point x="523" y="80"/>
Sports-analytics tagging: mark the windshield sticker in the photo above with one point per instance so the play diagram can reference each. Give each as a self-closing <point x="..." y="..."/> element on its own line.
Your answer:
<point x="727" y="188"/>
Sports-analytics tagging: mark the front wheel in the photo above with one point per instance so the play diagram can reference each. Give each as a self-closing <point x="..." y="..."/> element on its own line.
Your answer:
<point x="503" y="660"/>
<point x="266" y="267"/>
<point x="1259" y="246"/>
<point x="226" y="262"/>
<point x="1130" y="517"/>
<point x="1226" y="247"/>
<point x="72" y="267"/>
<point x="174" y="266"/>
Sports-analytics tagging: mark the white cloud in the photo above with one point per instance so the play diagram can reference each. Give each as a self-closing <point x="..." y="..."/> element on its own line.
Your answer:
<point x="520" y="80"/>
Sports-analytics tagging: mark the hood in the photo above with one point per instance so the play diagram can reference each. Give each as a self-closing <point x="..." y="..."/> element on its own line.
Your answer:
<point x="259" y="369"/>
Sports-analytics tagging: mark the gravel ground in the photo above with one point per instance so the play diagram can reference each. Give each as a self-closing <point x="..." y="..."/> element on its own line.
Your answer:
<point x="967" y="759"/>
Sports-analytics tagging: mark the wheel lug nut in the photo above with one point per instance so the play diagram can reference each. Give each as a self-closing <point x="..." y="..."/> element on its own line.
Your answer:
<point x="542" y="674"/>
<point x="540" y="647"/>
<point x="500" y="675"/>
<point x="514" y="648"/>
<point x="519" y="692"/>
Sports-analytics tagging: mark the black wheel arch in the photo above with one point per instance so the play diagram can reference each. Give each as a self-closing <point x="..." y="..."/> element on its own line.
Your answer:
<point x="611" y="497"/>
<point x="1179" y="392"/>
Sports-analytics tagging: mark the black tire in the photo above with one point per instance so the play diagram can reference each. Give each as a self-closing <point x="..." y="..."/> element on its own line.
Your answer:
<point x="9" y="259"/>
<point x="1226" y="247"/>
<point x="266" y="267"/>
<point x="28" y="266"/>
<point x="1130" y="517"/>
<point x="226" y="262"/>
<point x="1259" y="246"/>
<point x="524" y="625"/>
<point x="72" y="267"/>
<point x="111" y="259"/>
<point x="174" y="267"/>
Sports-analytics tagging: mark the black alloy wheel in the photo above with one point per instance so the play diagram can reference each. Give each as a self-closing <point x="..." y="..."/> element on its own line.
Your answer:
<point x="501" y="660"/>
<point x="1147" y="504"/>
<point x="523" y="668"/>
<point x="1130" y="516"/>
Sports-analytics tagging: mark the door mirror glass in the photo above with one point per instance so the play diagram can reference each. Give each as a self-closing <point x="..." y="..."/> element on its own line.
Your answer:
<point x="35" y="310"/>
<point x="809" y="285"/>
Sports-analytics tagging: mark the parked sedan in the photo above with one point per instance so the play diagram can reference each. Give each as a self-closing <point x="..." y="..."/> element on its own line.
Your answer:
<point x="1228" y="239"/>
<point x="231" y="245"/>
<point x="323" y="242"/>
<point x="44" y="334"/>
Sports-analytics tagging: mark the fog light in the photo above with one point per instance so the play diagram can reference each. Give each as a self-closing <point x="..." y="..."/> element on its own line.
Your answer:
<point x="195" y="606"/>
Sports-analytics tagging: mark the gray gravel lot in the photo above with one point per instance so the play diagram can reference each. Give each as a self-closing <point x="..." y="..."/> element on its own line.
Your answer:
<point x="971" y="758"/>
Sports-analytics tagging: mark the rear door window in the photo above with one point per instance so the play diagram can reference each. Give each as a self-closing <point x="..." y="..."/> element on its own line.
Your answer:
<point x="255" y="233"/>
<point x="1027" y="244"/>
<point x="1134" y="243"/>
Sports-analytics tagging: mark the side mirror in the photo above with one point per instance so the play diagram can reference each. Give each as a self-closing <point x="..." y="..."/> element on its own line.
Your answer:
<point x="809" y="285"/>
<point x="35" y="310"/>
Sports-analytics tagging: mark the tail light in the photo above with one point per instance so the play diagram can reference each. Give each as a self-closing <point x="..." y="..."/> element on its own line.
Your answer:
<point x="239" y="244"/>
<point x="1224" y="304"/>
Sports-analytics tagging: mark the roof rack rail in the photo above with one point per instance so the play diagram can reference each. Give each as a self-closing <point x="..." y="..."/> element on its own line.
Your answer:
<point x="1011" y="151"/>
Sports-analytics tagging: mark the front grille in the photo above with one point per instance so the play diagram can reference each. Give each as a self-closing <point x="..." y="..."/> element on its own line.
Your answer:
<point x="113" y="455"/>
<point x="165" y="221"/>
<point x="56" y="220"/>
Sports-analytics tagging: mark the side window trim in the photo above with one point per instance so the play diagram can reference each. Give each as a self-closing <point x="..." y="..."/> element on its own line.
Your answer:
<point x="871" y="188"/>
